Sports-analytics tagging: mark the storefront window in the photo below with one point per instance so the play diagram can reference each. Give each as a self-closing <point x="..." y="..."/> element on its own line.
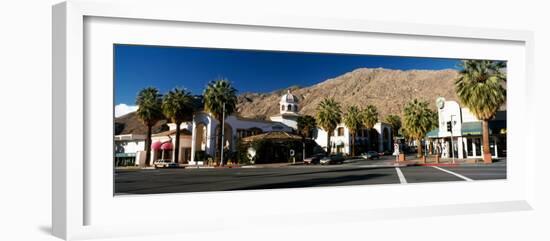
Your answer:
<point x="492" y="146"/>
<point x="477" y="146"/>
<point x="470" y="149"/>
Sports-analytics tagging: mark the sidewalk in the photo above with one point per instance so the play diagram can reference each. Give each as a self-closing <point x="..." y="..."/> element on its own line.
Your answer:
<point x="449" y="162"/>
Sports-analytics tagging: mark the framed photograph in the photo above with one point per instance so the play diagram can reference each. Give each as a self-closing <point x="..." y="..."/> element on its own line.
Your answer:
<point x="175" y="121"/>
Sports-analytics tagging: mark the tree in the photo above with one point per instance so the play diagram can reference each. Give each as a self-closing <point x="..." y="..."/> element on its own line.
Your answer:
<point x="480" y="87"/>
<point x="217" y="94"/>
<point x="370" y="117"/>
<point x="149" y="111"/>
<point x="418" y="120"/>
<point x="177" y="106"/>
<point x="395" y="123"/>
<point x="354" y="121"/>
<point x="329" y="115"/>
<point x="305" y="124"/>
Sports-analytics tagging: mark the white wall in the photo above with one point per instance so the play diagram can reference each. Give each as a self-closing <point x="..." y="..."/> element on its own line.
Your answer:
<point x="26" y="61"/>
<point x="131" y="146"/>
<point x="450" y="111"/>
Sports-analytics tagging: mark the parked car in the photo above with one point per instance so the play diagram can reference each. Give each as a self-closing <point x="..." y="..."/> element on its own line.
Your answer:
<point x="332" y="159"/>
<point x="163" y="163"/>
<point x="315" y="159"/>
<point x="370" y="155"/>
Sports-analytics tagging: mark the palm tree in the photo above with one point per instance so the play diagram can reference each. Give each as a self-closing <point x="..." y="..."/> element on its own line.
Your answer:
<point x="177" y="106"/>
<point x="329" y="115"/>
<point x="149" y="111"/>
<point x="220" y="95"/>
<point x="305" y="124"/>
<point x="418" y="119"/>
<point x="395" y="123"/>
<point x="480" y="87"/>
<point x="354" y="121"/>
<point x="370" y="117"/>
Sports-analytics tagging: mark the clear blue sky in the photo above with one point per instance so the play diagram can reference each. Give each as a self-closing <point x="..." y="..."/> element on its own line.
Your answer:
<point x="137" y="67"/>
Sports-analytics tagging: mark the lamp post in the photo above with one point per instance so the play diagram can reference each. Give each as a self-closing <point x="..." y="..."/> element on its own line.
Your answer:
<point x="223" y="134"/>
<point x="452" y="142"/>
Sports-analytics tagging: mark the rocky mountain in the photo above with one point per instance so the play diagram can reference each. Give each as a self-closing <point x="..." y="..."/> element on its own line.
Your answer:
<point x="130" y="124"/>
<point x="388" y="90"/>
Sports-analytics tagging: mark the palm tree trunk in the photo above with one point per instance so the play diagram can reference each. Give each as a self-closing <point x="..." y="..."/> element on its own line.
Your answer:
<point x="329" y="146"/>
<point x="177" y="146"/>
<point x="487" y="158"/>
<point x="148" y="146"/>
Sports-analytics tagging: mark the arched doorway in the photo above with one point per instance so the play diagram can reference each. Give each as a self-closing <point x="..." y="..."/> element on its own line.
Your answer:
<point x="200" y="137"/>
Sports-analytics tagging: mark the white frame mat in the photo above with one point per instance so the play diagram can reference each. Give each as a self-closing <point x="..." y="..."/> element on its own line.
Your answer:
<point x="83" y="203"/>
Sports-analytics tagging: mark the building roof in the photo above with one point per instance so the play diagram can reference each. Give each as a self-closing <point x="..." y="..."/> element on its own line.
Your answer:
<point x="289" y="98"/>
<point x="274" y="136"/>
<point x="173" y="132"/>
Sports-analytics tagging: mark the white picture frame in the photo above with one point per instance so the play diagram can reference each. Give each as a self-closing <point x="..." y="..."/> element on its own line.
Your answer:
<point x="75" y="201"/>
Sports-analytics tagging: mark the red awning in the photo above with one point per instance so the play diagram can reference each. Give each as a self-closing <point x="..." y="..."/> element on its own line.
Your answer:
<point x="156" y="145"/>
<point x="166" y="146"/>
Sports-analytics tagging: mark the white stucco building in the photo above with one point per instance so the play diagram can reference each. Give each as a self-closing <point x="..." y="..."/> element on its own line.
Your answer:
<point x="466" y="133"/>
<point x="380" y="139"/>
<point x="128" y="147"/>
<point x="198" y="137"/>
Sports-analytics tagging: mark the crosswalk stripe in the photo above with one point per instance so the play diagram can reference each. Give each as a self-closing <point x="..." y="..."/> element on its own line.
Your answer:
<point x="453" y="173"/>
<point x="401" y="176"/>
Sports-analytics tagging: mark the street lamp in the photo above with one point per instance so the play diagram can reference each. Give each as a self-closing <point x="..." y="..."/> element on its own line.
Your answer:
<point x="223" y="133"/>
<point x="452" y="142"/>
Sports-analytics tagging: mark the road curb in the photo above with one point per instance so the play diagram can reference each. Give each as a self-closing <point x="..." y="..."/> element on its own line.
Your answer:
<point x="454" y="165"/>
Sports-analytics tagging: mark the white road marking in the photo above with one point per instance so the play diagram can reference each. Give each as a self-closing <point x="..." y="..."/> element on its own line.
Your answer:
<point x="453" y="173"/>
<point x="401" y="176"/>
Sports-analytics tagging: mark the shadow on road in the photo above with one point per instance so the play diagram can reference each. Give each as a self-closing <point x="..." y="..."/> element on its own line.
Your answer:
<point x="340" y="170"/>
<point x="313" y="182"/>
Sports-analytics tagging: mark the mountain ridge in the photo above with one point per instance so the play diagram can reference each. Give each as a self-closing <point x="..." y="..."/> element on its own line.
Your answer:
<point x="387" y="89"/>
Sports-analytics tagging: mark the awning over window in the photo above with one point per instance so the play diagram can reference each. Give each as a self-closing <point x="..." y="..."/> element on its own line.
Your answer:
<point x="471" y="128"/>
<point x="166" y="146"/>
<point x="433" y="133"/>
<point x="475" y="128"/>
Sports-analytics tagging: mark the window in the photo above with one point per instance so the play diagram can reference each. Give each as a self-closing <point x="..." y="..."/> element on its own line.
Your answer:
<point x="340" y="131"/>
<point x="289" y="107"/>
<point x="296" y="108"/>
<point x="282" y="107"/>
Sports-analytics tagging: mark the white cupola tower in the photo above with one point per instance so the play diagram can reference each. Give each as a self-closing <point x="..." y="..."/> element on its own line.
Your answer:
<point x="288" y="104"/>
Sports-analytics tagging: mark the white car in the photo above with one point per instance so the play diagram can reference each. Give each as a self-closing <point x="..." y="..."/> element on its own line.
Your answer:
<point x="164" y="163"/>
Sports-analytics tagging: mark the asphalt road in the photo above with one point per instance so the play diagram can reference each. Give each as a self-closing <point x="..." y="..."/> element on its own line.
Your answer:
<point x="355" y="172"/>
